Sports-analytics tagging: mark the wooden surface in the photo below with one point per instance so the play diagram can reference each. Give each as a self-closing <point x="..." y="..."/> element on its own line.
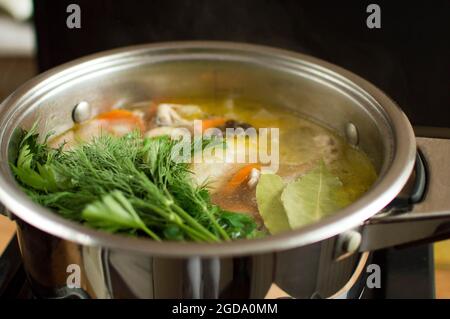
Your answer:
<point x="7" y="229"/>
<point x="442" y="269"/>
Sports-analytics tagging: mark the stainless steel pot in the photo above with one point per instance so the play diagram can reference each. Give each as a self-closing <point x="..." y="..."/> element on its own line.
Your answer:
<point x="322" y="259"/>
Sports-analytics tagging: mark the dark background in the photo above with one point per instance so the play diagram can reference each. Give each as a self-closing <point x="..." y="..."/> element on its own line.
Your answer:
<point x="408" y="58"/>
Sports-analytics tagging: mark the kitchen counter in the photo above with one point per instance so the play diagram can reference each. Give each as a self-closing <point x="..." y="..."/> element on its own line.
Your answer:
<point x="7" y="229"/>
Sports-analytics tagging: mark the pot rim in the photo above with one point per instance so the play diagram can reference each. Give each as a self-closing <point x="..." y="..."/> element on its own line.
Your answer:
<point x="374" y="200"/>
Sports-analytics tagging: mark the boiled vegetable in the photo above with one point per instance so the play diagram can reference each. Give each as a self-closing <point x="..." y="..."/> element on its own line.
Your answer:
<point x="240" y="177"/>
<point x="213" y="123"/>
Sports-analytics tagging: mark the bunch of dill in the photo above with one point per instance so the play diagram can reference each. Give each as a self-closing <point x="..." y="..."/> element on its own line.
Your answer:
<point x="127" y="184"/>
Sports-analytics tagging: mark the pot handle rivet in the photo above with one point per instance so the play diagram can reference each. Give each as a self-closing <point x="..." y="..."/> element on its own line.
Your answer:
<point x="81" y="112"/>
<point x="351" y="132"/>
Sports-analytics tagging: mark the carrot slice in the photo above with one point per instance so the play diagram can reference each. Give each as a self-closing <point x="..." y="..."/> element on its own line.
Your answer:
<point x="119" y="116"/>
<point x="240" y="177"/>
<point x="213" y="122"/>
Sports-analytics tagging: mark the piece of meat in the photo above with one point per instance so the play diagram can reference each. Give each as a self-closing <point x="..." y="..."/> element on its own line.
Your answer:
<point x="329" y="147"/>
<point x="167" y="115"/>
<point x="218" y="164"/>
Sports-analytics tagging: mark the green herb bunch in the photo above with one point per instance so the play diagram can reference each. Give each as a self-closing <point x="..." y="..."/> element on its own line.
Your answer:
<point x="127" y="184"/>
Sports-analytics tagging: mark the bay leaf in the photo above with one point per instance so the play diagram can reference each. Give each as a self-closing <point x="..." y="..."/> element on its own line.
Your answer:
<point x="268" y="197"/>
<point x="313" y="196"/>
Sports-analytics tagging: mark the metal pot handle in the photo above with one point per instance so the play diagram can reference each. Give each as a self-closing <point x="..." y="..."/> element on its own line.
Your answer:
<point x="423" y="215"/>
